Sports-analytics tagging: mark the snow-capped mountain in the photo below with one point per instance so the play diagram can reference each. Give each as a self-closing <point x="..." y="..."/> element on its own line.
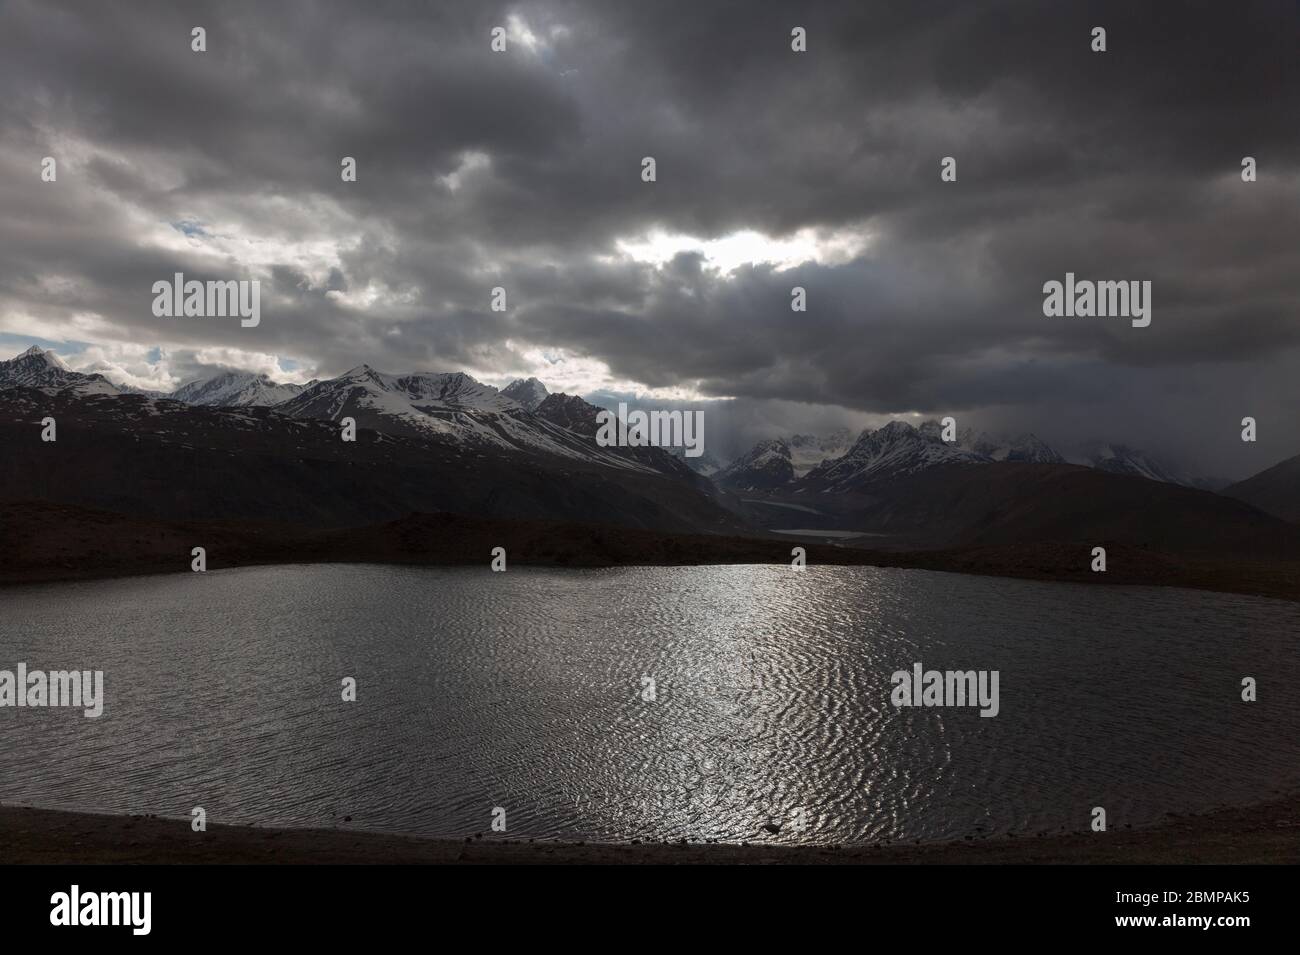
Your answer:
<point x="1026" y="447"/>
<point x="528" y="393"/>
<point x="36" y="368"/>
<point x="577" y="417"/>
<point x="236" y="389"/>
<point x="809" y="450"/>
<point x="765" y="467"/>
<point x="1122" y="459"/>
<point x="895" y="450"/>
<point x="899" y="448"/>
<point x="456" y="408"/>
<point x="422" y="403"/>
<point x="167" y="459"/>
<point x="146" y="392"/>
<point x="525" y="416"/>
<point x="570" y="412"/>
<point x="452" y="390"/>
<point x="780" y="461"/>
<point x="998" y="447"/>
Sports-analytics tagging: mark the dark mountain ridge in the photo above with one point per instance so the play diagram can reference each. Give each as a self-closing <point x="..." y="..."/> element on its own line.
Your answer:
<point x="165" y="459"/>
<point x="1275" y="491"/>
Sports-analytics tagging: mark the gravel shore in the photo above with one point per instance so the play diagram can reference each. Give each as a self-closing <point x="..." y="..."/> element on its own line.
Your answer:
<point x="1267" y="833"/>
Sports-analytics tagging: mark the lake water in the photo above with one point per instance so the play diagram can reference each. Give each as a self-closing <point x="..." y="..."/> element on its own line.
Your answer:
<point x="772" y="694"/>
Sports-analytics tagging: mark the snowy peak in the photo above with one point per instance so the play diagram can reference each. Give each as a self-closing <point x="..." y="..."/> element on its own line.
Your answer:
<point x="575" y="416"/>
<point x="451" y="390"/>
<point x="360" y="371"/>
<point x="456" y="409"/>
<point x="776" y="462"/>
<point x="529" y="393"/>
<point x="837" y="462"/>
<point x="895" y="450"/>
<point x="36" y="368"/>
<point x="236" y="389"/>
<point x="1025" y="447"/>
<point x="809" y="450"/>
<point x="1122" y="459"/>
<point x="36" y="356"/>
<point x="764" y="467"/>
<point x="571" y="413"/>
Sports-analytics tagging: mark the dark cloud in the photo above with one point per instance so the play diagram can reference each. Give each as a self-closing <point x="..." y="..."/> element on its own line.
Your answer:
<point x="522" y="169"/>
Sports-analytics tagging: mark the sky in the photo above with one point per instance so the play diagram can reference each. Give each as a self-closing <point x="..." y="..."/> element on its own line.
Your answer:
<point x="522" y="170"/>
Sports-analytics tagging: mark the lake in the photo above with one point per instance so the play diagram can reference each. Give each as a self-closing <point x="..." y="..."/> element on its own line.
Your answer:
<point x="527" y="690"/>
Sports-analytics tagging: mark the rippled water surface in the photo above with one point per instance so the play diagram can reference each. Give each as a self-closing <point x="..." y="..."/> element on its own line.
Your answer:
<point x="524" y="690"/>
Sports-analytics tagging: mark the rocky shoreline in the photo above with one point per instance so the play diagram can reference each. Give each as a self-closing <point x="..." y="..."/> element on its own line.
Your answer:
<point x="1268" y="833"/>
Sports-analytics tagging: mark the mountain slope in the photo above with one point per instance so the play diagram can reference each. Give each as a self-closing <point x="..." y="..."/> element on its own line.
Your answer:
<point x="527" y="393"/>
<point x="896" y="450"/>
<point x="165" y="459"/>
<point x="577" y="418"/>
<point x="1025" y="447"/>
<point x="455" y="409"/>
<point x="1122" y="459"/>
<point x="35" y="368"/>
<point x="778" y="462"/>
<point x="765" y="467"/>
<point x="1274" y="491"/>
<point x="705" y="465"/>
<point x="1003" y="503"/>
<point x="236" y="389"/>
<point x="809" y="450"/>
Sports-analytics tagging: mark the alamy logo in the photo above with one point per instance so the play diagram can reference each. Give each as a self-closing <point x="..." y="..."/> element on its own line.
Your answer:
<point x="1086" y="299"/>
<point x="946" y="688"/>
<point x="80" y="689"/>
<point x="103" y="908"/>
<point x="195" y="299"/>
<point x="660" y="429"/>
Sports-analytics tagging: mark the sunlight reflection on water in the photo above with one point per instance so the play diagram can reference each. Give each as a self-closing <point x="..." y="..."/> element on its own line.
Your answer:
<point x="523" y="690"/>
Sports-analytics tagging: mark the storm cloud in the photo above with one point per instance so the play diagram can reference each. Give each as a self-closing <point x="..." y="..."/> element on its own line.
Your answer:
<point x="821" y="169"/>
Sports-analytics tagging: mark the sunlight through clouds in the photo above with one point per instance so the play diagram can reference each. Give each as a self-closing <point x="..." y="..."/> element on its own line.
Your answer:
<point x="748" y="247"/>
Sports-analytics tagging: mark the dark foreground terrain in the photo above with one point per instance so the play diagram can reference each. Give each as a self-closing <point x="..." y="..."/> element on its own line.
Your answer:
<point x="1268" y="833"/>
<point x="48" y="542"/>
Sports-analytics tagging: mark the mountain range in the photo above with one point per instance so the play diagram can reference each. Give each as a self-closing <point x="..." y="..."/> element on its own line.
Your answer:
<point x="438" y="404"/>
<point x="454" y="413"/>
<point x="233" y="389"/>
<point x="839" y="463"/>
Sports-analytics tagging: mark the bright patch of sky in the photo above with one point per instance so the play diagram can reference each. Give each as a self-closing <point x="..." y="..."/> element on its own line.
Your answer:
<point x="747" y="247"/>
<point x="570" y="373"/>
